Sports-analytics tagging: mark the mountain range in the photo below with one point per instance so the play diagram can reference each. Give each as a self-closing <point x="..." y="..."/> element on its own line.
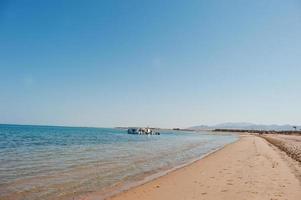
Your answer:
<point x="246" y="126"/>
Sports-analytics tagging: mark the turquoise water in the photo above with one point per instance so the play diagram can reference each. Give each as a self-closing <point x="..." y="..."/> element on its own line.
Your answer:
<point x="47" y="162"/>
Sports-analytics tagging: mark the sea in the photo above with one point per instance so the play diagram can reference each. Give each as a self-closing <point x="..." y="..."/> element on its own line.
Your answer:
<point x="52" y="162"/>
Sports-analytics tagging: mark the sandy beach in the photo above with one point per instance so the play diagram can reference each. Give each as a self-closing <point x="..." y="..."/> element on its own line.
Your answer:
<point x="250" y="168"/>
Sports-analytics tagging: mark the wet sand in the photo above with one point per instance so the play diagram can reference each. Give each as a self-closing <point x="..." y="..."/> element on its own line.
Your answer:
<point x="251" y="168"/>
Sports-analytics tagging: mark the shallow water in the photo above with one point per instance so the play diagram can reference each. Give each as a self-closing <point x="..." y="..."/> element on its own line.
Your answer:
<point x="46" y="162"/>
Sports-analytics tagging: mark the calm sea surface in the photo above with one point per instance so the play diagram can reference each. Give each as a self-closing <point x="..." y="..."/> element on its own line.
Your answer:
<point x="46" y="162"/>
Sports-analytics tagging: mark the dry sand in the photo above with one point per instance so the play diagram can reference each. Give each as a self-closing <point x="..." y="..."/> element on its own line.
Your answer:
<point x="251" y="168"/>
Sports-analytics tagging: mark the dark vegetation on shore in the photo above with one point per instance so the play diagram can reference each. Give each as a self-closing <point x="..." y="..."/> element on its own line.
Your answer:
<point x="259" y="131"/>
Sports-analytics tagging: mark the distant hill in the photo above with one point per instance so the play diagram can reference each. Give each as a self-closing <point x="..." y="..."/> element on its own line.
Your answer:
<point x="246" y="126"/>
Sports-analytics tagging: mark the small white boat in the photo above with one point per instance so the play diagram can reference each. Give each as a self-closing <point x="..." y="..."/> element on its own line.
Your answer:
<point x="142" y="131"/>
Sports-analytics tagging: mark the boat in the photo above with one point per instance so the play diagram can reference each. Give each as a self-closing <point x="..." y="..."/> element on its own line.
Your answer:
<point x="142" y="131"/>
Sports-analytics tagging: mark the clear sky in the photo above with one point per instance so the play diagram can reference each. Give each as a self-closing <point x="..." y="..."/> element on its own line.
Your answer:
<point x="150" y="63"/>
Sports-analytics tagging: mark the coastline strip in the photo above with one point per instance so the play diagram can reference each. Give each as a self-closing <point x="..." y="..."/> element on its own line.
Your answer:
<point x="251" y="168"/>
<point x="112" y="192"/>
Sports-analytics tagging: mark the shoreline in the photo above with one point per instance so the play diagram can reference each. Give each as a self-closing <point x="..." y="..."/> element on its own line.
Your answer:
<point x="249" y="168"/>
<point x="112" y="192"/>
<point x="87" y="165"/>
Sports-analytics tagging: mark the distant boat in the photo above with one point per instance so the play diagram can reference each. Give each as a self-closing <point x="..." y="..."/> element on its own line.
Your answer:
<point x="142" y="131"/>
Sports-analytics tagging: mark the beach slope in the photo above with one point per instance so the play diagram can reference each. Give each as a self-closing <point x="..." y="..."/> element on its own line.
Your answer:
<point x="251" y="168"/>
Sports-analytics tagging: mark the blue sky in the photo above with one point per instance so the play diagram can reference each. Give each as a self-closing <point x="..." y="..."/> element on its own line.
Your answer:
<point x="150" y="63"/>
